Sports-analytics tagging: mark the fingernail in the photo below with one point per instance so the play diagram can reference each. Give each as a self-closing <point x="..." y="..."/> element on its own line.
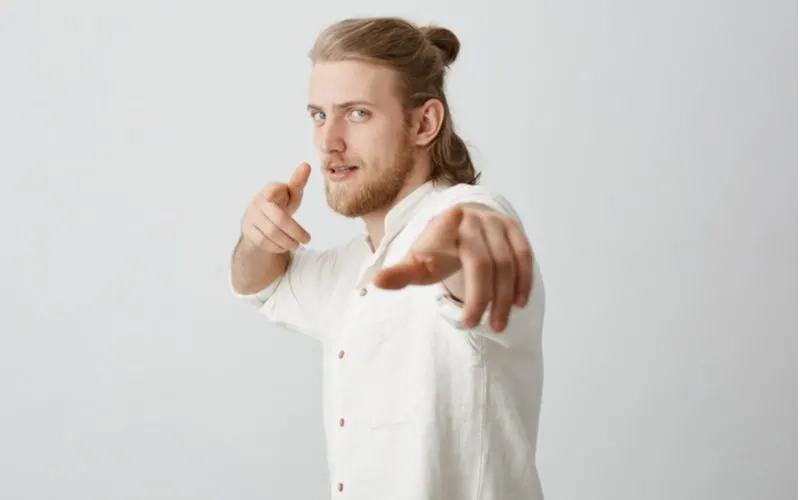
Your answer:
<point x="522" y="300"/>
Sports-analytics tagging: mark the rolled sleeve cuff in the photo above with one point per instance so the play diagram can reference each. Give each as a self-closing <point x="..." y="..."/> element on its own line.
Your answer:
<point x="259" y="298"/>
<point x="523" y="329"/>
<point x="452" y="311"/>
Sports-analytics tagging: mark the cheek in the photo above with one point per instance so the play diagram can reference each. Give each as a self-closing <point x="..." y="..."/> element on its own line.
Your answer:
<point x="362" y="145"/>
<point x="318" y="138"/>
<point x="375" y="146"/>
<point x="385" y="145"/>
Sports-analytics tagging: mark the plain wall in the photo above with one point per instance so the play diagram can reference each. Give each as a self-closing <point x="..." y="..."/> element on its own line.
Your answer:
<point x="649" y="147"/>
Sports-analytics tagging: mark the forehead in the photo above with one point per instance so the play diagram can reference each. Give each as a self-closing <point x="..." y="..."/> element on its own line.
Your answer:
<point x="345" y="81"/>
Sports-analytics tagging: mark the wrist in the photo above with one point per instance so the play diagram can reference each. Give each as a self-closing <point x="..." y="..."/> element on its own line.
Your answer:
<point x="454" y="286"/>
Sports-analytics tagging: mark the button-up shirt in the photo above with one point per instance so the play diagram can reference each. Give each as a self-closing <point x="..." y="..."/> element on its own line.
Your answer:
<point x="416" y="405"/>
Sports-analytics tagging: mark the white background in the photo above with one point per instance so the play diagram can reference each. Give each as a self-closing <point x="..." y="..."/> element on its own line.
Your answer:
<point x="649" y="147"/>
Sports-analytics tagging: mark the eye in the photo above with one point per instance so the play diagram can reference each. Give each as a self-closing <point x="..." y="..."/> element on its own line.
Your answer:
<point x="359" y="114"/>
<point x="317" y="116"/>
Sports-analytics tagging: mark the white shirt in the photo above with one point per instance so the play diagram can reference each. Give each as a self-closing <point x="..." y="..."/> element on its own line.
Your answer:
<point x="416" y="406"/>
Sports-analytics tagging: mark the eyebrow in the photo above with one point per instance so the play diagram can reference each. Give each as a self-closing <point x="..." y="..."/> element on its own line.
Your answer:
<point x="343" y="105"/>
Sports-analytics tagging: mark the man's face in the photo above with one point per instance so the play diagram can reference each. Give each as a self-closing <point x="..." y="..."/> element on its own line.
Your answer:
<point x="365" y="145"/>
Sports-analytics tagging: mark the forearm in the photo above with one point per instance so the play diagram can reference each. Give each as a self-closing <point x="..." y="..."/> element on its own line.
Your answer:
<point x="253" y="269"/>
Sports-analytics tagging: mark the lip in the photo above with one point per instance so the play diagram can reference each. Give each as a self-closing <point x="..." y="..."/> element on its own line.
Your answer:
<point x="334" y="174"/>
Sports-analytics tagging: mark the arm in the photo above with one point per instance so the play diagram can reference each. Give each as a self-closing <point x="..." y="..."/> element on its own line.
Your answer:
<point x="476" y="251"/>
<point x="298" y="298"/>
<point x="270" y="268"/>
<point x="253" y="269"/>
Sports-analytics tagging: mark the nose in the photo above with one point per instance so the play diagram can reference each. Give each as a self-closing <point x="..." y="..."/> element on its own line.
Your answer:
<point x="331" y="137"/>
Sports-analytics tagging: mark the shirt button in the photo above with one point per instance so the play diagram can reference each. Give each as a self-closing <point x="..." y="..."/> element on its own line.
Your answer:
<point x="362" y="292"/>
<point x="341" y="422"/>
<point x="341" y="354"/>
<point x="340" y="487"/>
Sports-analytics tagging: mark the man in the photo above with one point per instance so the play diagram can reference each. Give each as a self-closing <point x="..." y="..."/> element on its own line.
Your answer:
<point x="430" y="322"/>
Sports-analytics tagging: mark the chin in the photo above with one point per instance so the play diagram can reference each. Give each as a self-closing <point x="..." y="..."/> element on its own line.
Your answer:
<point x="357" y="197"/>
<point x="349" y="210"/>
<point x="350" y="204"/>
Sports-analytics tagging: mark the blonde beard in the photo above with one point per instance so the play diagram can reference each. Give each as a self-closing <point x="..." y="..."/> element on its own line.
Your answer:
<point x="376" y="189"/>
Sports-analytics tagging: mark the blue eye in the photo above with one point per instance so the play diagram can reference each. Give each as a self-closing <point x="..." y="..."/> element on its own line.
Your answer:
<point x="319" y="115"/>
<point x="360" y="113"/>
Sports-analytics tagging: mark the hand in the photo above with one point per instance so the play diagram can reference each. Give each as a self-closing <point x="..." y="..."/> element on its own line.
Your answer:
<point x="489" y="247"/>
<point x="268" y="224"/>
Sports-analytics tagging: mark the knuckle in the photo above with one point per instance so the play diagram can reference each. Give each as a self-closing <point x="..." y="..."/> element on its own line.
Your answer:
<point x="505" y="263"/>
<point x="479" y="264"/>
<point x="471" y="222"/>
<point x="496" y="217"/>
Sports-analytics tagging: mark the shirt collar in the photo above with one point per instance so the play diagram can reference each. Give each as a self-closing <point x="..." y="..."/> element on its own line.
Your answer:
<point x="400" y="214"/>
<point x="398" y="217"/>
<point x="395" y="221"/>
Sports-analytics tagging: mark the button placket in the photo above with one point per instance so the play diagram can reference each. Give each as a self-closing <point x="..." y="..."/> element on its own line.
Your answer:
<point x="362" y="292"/>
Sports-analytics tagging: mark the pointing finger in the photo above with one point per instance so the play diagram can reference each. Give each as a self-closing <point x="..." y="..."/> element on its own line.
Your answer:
<point x="446" y="223"/>
<point x="401" y="275"/>
<point x="286" y="223"/>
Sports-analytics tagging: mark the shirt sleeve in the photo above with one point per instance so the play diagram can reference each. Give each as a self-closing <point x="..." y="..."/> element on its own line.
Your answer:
<point x="296" y="300"/>
<point x="524" y="328"/>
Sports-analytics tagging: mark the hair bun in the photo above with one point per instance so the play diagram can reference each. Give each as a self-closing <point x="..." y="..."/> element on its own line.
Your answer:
<point x="444" y="40"/>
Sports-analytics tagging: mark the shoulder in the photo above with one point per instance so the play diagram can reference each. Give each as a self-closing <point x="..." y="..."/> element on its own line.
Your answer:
<point x="448" y="196"/>
<point x="333" y="256"/>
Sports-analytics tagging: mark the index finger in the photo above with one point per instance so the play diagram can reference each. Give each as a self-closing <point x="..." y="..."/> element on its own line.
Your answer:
<point x="286" y="223"/>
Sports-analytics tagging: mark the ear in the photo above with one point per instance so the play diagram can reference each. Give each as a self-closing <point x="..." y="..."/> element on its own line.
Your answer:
<point x="428" y="120"/>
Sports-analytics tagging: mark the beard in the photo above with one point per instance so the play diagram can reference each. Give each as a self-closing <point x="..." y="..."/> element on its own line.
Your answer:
<point x="375" y="186"/>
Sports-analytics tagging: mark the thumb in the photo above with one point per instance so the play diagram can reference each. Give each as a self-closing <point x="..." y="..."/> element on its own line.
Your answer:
<point x="299" y="178"/>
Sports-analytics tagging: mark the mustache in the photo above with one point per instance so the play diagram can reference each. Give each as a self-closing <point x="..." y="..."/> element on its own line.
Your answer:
<point x="328" y="162"/>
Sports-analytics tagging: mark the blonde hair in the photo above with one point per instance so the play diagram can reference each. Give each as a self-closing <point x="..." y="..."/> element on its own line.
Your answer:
<point x="421" y="56"/>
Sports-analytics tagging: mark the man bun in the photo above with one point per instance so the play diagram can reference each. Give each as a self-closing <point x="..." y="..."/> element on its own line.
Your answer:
<point x="444" y="40"/>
